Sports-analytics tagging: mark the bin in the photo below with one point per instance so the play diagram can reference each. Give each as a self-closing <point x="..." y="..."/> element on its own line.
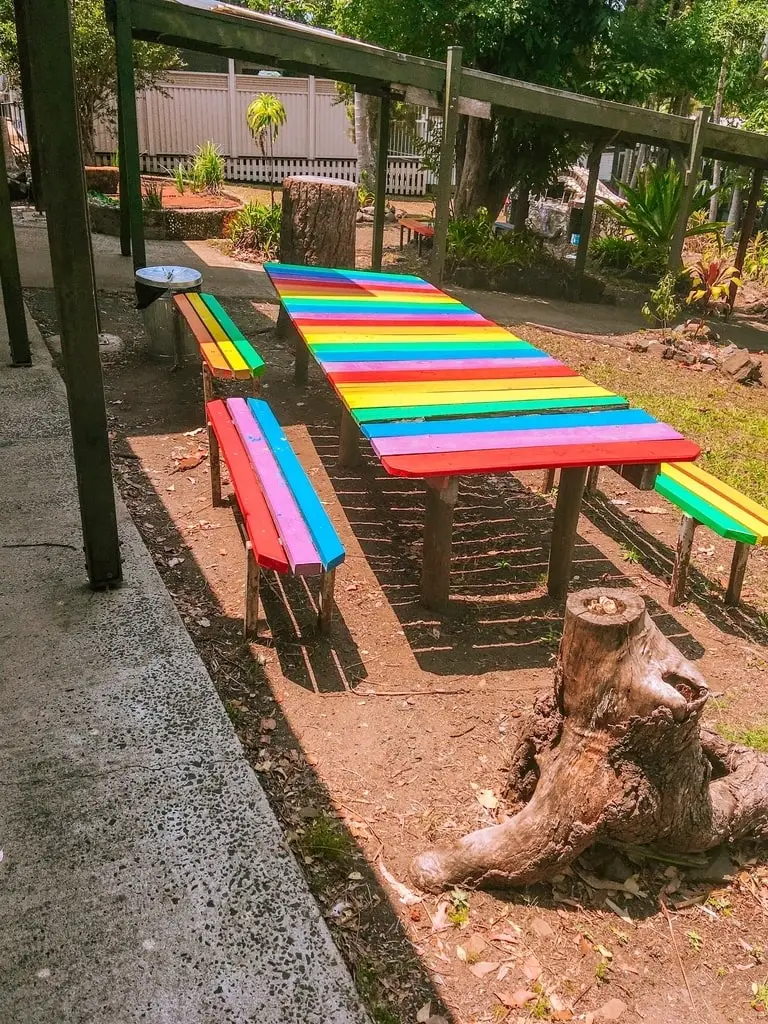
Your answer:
<point x="167" y="341"/>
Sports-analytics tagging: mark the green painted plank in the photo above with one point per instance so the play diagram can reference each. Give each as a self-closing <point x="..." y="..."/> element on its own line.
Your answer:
<point x="701" y="510"/>
<point x="417" y="412"/>
<point x="241" y="343"/>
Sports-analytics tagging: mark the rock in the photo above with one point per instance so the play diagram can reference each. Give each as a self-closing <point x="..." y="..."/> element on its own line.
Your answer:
<point x="640" y="345"/>
<point x="742" y="367"/>
<point x="110" y="346"/>
<point x="618" y="869"/>
<point x="686" y="358"/>
<point x="716" y="871"/>
<point x="669" y="352"/>
<point x="708" y="356"/>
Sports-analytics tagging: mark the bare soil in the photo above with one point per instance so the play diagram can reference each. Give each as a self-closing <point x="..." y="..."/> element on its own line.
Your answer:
<point x="392" y="734"/>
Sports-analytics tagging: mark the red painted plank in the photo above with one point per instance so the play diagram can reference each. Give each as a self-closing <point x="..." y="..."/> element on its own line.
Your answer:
<point x="557" y="457"/>
<point x="259" y="524"/>
<point x="506" y="371"/>
<point x="405" y="320"/>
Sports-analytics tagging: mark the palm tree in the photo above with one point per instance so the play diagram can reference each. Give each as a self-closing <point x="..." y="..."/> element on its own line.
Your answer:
<point x="265" y="116"/>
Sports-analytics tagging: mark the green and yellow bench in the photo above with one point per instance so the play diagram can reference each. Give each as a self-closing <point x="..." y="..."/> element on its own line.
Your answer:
<point x="225" y="352"/>
<point x="707" y="501"/>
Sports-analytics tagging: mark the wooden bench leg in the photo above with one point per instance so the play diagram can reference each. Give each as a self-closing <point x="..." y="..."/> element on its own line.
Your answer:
<point x="208" y="391"/>
<point x="301" y="360"/>
<point x="682" y="560"/>
<point x="178" y="337"/>
<point x="349" y="442"/>
<point x="564" y="527"/>
<point x="251" y="617"/>
<point x="326" y="602"/>
<point x="548" y="481"/>
<point x="442" y="493"/>
<point x="214" y="461"/>
<point x="738" y="568"/>
<point x="593" y="478"/>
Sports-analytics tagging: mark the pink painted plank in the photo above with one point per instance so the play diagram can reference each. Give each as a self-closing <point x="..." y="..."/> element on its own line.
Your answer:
<point x="433" y="444"/>
<point x="301" y="551"/>
<point x="438" y="364"/>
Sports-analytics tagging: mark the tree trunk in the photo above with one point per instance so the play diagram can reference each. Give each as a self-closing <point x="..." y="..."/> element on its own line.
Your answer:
<point x="366" y="163"/>
<point x="616" y="752"/>
<point x="522" y="206"/>
<point x="317" y="226"/>
<point x="640" y="159"/>
<point x="717" y="110"/>
<point x="472" y="192"/>
<point x="5" y="142"/>
<point x="734" y="214"/>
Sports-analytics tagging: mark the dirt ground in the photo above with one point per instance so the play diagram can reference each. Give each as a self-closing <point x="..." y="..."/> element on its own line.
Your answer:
<point x="392" y="734"/>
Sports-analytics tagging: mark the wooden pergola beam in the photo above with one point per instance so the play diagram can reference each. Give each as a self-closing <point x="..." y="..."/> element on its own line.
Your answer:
<point x="380" y="207"/>
<point x="131" y="218"/>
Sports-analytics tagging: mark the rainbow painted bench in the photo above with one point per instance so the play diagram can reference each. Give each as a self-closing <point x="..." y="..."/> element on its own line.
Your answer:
<point x="284" y="524"/>
<point x="440" y="392"/>
<point x="707" y="501"/>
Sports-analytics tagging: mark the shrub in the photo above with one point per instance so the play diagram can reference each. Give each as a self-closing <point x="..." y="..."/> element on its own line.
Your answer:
<point x="100" y="199"/>
<point x="472" y="241"/>
<point x="756" y="259"/>
<point x="615" y="253"/>
<point x="711" y="283"/>
<point x="663" y="305"/>
<point x="207" y="174"/>
<point x="256" y="229"/>
<point x="153" y="196"/>
<point x="180" y="178"/>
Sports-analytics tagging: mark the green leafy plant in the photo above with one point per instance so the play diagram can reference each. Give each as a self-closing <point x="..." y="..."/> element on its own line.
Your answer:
<point x="652" y="207"/>
<point x="631" y="555"/>
<point x="623" y="253"/>
<point x="760" y="993"/>
<point x="472" y="241"/>
<point x="207" y="173"/>
<point x="458" y="913"/>
<point x="101" y="199"/>
<point x="695" y="941"/>
<point x="179" y="176"/>
<point x="711" y="283"/>
<point x="364" y="195"/>
<point x="756" y="258"/>
<point x="265" y="116"/>
<point x="153" y="196"/>
<point x="757" y="737"/>
<point x="663" y="304"/>
<point x="324" y="838"/>
<point x="256" y="229"/>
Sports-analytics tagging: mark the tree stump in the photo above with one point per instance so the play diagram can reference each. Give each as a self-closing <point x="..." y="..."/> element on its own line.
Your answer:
<point x="317" y="229"/>
<point x="615" y="752"/>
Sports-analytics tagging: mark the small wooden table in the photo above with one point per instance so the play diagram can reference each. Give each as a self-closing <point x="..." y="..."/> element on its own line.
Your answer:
<point x="440" y="392"/>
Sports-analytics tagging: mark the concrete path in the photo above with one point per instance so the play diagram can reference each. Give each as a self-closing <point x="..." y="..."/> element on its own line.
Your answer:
<point x="144" y="876"/>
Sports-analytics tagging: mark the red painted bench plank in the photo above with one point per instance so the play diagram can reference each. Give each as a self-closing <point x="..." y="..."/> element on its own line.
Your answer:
<point x="564" y="456"/>
<point x="259" y="524"/>
<point x="482" y="373"/>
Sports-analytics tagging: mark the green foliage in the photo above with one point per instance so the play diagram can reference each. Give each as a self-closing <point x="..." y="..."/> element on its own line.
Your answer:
<point x="364" y="195"/>
<point x="100" y="199"/>
<point x="757" y="737"/>
<point x="663" y="305"/>
<point x="756" y="258"/>
<point x="94" y="60"/>
<point x="266" y="116"/>
<point x="256" y="228"/>
<point x="622" y="253"/>
<point x="458" y="912"/>
<point x="472" y="241"/>
<point x="325" y="839"/>
<point x="179" y="176"/>
<point x="652" y="207"/>
<point x="207" y="173"/>
<point x="374" y="994"/>
<point x="711" y="282"/>
<point x="153" y="196"/>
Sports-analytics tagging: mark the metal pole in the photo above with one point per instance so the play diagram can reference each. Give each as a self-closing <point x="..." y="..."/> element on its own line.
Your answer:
<point x="593" y="165"/>
<point x="126" y="98"/>
<point x="447" y="153"/>
<point x="382" y="152"/>
<point x="22" y="35"/>
<point x="690" y="175"/>
<point x="10" y="279"/>
<point x="53" y="97"/>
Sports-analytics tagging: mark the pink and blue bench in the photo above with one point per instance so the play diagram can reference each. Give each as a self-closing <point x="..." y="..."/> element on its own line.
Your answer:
<point x="284" y="524"/>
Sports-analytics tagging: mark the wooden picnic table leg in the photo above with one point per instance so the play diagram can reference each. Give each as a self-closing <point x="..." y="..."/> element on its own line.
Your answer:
<point x="251" y="617"/>
<point x="682" y="559"/>
<point x="738" y="568"/>
<point x="442" y="493"/>
<point x="548" y="481"/>
<point x="593" y="479"/>
<point x="564" y="526"/>
<point x="401" y="236"/>
<point x="349" y="442"/>
<point x="325" y="613"/>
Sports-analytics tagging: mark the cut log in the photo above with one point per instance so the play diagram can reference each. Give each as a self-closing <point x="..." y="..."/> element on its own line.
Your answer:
<point x="317" y="227"/>
<point x="616" y="752"/>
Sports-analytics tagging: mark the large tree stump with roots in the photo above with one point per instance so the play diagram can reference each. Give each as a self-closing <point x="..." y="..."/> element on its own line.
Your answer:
<point x="317" y="229"/>
<point x="616" y="752"/>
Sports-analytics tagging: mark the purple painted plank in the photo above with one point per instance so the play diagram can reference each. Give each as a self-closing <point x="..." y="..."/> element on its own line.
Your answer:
<point x="438" y="364"/>
<point x="432" y="444"/>
<point x="301" y="551"/>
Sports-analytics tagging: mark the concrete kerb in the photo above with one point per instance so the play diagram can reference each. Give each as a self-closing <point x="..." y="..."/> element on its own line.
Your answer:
<point x="144" y="875"/>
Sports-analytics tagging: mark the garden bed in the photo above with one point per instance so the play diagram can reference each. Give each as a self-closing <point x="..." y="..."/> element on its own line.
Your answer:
<point x="555" y="280"/>
<point x="187" y="217"/>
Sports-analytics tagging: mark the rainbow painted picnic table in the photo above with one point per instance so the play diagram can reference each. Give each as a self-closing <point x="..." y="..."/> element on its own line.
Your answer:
<point x="440" y="392"/>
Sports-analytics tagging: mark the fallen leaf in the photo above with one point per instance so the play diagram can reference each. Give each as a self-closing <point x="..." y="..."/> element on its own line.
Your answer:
<point x="618" y="911"/>
<point x="268" y="724"/>
<point x="514" y="1000"/>
<point x="475" y="945"/>
<point x="606" y="954"/>
<point x="192" y="433"/>
<point x="541" y="928"/>
<point x="437" y="1020"/>
<point x="486" y="798"/>
<point x="564" y="1014"/>
<point x="508" y="937"/>
<point x="651" y="510"/>
<point x="484" y="967"/>
<point x="440" y="920"/>
<point x="355" y="876"/>
<point x="461" y="953"/>
<point x="404" y="893"/>
<point x="502" y="972"/>
<point x="584" y="946"/>
<point x="612" y="1010"/>
<point x="204" y="622"/>
<point x="532" y="968"/>
<point x="424" y="1013"/>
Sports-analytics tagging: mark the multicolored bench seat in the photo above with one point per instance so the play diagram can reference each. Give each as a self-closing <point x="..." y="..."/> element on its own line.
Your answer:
<point x="285" y="525"/>
<point x="707" y="501"/>
<point x="225" y="352"/>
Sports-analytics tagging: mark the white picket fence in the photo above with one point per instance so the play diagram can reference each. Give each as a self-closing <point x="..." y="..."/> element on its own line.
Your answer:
<point x="195" y="107"/>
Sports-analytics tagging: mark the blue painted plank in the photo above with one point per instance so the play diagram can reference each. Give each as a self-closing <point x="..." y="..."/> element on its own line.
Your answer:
<point x="557" y="421"/>
<point x="389" y="352"/>
<point x="331" y="274"/>
<point x="315" y="516"/>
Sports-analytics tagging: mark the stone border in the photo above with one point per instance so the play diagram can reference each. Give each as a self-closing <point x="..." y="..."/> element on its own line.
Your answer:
<point x="550" y="281"/>
<point x="167" y="225"/>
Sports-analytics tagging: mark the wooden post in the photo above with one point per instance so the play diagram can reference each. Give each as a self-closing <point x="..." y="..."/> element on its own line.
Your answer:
<point x="54" y="102"/>
<point x="126" y="98"/>
<point x="33" y="145"/>
<point x="214" y="459"/>
<point x="738" y="568"/>
<point x="690" y="175"/>
<point x="125" y="209"/>
<point x="300" y="353"/>
<point x="325" y="613"/>
<point x="747" y="226"/>
<point x="447" y="153"/>
<point x="442" y="493"/>
<point x="380" y="209"/>
<point x="10" y="278"/>
<point x="593" y="166"/>
<point x="251" y="616"/>
<point x="548" y="481"/>
<point x="593" y="478"/>
<point x="349" y="441"/>
<point x="682" y="559"/>
<point x="564" y="527"/>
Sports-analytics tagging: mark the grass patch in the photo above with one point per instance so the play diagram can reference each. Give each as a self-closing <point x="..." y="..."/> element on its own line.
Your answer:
<point x="757" y="737"/>
<point x="325" y="839"/>
<point x="373" y="994"/>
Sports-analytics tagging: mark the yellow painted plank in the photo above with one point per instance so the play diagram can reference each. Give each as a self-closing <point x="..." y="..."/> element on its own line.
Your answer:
<point x="703" y="490"/>
<point x="346" y="334"/>
<point x="395" y="397"/>
<point x="236" y="362"/>
<point x="723" y="489"/>
<point x="419" y="387"/>
<point x="212" y="354"/>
